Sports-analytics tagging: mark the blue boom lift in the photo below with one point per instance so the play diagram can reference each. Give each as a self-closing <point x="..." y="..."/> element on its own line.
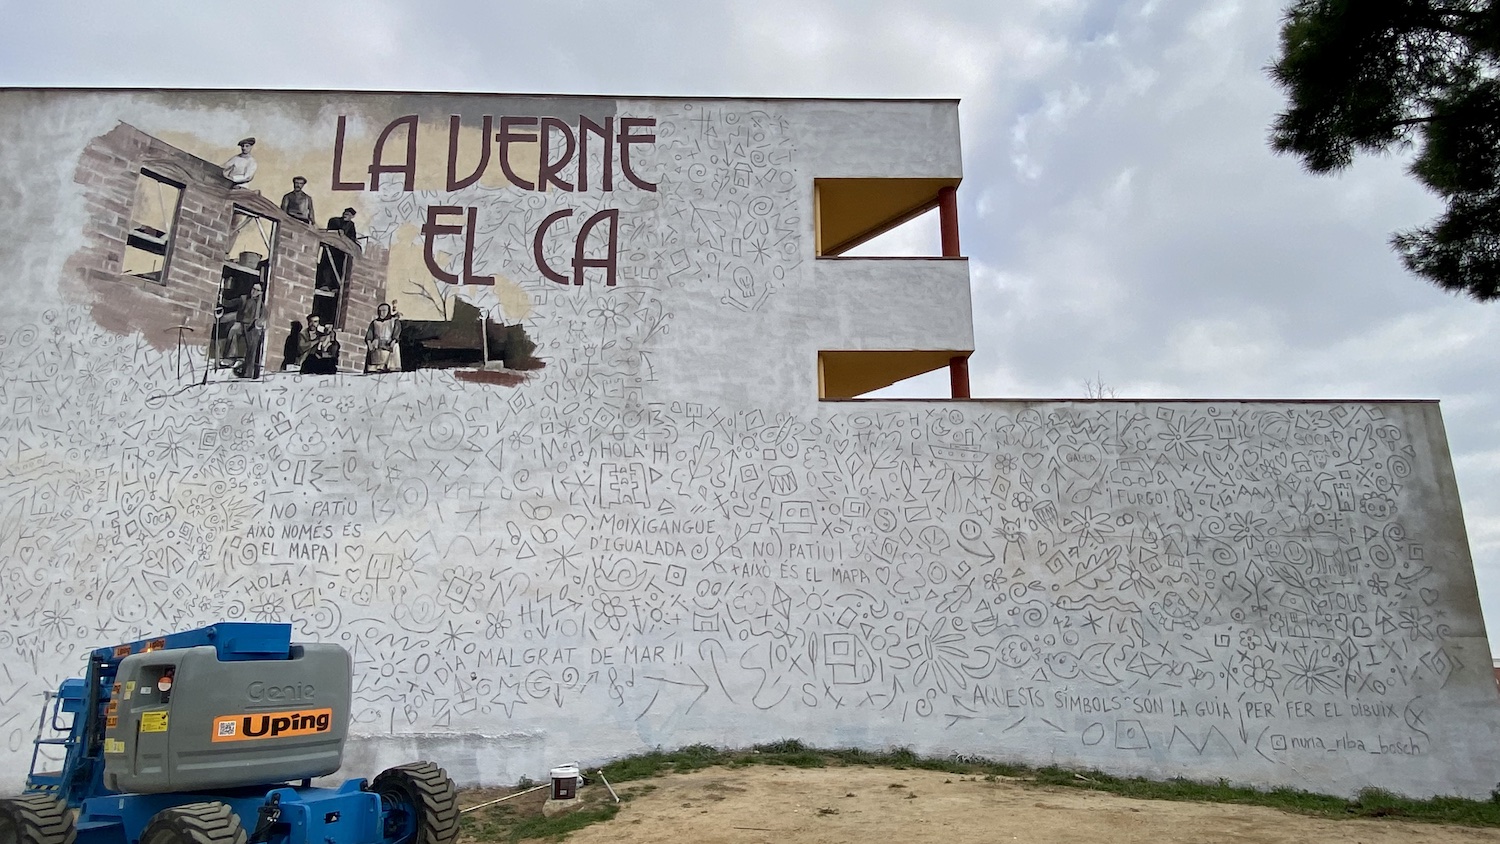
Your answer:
<point x="213" y="736"/>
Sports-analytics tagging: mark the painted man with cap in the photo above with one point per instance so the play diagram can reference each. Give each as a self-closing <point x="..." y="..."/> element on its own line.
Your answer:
<point x="296" y="203"/>
<point x="241" y="168"/>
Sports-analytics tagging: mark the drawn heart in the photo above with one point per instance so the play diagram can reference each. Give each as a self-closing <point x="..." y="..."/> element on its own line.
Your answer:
<point x="574" y="524"/>
<point x="354" y="552"/>
<point x="1084" y="461"/>
<point x="130" y="501"/>
<point x="1429" y="596"/>
<point x="1032" y="460"/>
<point x="154" y="519"/>
<point x="883" y="574"/>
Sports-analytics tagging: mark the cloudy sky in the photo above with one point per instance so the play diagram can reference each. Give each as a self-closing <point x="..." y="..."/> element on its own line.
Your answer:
<point x="1125" y="220"/>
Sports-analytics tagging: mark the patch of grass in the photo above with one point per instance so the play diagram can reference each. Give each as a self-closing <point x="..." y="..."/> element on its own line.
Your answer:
<point x="541" y="826"/>
<point x="522" y="818"/>
<point x="648" y="765"/>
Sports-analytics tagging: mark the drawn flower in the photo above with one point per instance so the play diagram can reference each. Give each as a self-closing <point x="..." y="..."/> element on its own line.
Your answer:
<point x="1005" y="463"/>
<point x="496" y="625"/>
<point x="1378" y="585"/>
<point x="1310" y="674"/>
<point x="1417" y="624"/>
<point x="172" y="447"/>
<point x="1261" y="674"/>
<point x="937" y="656"/>
<point x="1246" y="527"/>
<point x="78" y="487"/>
<point x="458" y="587"/>
<point x="56" y="621"/>
<point x="1184" y="436"/>
<point x="1135" y="579"/>
<point x="93" y="373"/>
<point x="269" y="609"/>
<point x="611" y="315"/>
<point x="1088" y="526"/>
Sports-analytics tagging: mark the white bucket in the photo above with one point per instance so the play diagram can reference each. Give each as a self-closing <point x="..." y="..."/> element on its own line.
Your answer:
<point x="565" y="782"/>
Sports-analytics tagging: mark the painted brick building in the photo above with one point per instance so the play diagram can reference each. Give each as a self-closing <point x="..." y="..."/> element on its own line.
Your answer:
<point x="172" y="238"/>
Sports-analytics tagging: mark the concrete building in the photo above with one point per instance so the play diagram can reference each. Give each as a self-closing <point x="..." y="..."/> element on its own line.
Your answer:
<point x="646" y="509"/>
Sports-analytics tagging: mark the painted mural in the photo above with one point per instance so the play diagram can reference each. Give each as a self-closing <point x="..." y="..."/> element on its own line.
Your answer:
<point x="502" y="495"/>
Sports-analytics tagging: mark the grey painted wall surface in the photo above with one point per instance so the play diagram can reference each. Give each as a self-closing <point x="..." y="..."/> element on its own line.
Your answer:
<point x="661" y="537"/>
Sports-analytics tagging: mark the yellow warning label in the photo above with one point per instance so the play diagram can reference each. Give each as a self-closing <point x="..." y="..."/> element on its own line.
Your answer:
<point x="301" y="722"/>
<point x="129" y="688"/>
<point x="114" y="745"/>
<point x="153" y="722"/>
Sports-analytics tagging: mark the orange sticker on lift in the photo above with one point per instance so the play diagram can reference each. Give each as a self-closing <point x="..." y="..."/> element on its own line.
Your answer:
<point x="267" y="725"/>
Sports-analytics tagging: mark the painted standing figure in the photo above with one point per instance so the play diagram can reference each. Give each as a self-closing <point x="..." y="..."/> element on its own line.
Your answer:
<point x="382" y="341"/>
<point x="246" y="332"/>
<point x="297" y="203"/>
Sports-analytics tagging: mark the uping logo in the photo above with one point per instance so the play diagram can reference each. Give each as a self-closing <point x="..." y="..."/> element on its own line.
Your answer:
<point x="263" y="725"/>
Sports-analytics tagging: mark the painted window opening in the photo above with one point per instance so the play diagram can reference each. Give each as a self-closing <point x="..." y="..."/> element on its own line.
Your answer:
<point x="330" y="304"/>
<point x="239" y="328"/>
<point x="153" y="218"/>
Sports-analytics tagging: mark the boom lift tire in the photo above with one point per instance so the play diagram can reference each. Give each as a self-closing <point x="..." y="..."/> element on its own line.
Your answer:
<point x="36" y="819"/>
<point x="195" y="823"/>
<point x="424" y="790"/>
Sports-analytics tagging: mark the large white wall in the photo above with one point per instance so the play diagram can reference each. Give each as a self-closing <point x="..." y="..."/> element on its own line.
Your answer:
<point x="663" y="538"/>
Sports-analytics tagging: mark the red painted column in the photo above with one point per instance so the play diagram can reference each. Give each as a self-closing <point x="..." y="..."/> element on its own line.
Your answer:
<point x="958" y="376"/>
<point x="948" y="220"/>
<point x="958" y="367"/>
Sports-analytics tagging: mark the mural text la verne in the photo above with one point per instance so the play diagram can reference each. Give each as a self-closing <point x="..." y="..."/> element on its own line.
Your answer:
<point x="549" y="133"/>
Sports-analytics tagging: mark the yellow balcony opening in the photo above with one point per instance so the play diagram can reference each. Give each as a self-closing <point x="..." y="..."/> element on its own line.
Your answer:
<point x="849" y="374"/>
<point x="852" y="211"/>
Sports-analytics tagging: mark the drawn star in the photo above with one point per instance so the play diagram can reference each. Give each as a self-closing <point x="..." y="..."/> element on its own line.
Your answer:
<point x="454" y="637"/>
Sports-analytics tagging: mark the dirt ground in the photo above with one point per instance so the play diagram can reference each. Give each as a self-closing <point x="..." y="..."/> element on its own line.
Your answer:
<point x="803" y="806"/>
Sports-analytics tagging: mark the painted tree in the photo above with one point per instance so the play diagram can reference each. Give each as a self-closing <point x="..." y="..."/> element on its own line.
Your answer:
<point x="1367" y="76"/>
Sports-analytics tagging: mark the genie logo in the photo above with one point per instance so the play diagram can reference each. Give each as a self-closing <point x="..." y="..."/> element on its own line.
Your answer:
<point x="261" y="692"/>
